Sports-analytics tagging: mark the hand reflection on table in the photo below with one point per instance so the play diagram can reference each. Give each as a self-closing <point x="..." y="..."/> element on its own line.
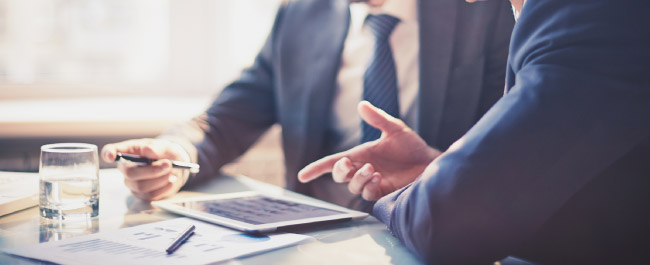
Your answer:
<point x="141" y="212"/>
<point x="135" y="205"/>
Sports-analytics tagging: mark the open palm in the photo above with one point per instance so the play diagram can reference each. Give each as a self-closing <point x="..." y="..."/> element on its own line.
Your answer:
<point x="395" y="159"/>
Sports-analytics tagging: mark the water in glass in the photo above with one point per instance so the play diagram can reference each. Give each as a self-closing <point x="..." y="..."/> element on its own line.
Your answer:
<point x="69" y="183"/>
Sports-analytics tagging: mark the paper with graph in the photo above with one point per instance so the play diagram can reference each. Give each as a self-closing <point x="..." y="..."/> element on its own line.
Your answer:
<point x="146" y="244"/>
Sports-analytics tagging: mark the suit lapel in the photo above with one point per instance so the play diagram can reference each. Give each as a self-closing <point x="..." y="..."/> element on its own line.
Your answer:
<point x="317" y="67"/>
<point x="437" y="35"/>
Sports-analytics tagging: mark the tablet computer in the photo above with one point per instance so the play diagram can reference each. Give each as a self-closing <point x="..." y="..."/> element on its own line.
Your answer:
<point x="254" y="212"/>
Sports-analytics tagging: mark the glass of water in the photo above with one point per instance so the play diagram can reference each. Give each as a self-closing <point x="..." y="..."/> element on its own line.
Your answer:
<point x="69" y="181"/>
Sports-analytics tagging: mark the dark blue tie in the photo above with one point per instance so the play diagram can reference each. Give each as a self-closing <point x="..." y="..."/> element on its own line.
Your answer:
<point x="380" y="79"/>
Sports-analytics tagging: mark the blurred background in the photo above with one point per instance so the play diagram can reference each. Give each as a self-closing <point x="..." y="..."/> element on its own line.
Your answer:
<point x="99" y="71"/>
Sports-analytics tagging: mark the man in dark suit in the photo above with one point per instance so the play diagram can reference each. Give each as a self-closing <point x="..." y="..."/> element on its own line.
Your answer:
<point x="448" y="55"/>
<point x="557" y="172"/>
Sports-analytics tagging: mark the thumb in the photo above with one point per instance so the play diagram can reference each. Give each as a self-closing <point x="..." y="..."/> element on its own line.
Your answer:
<point x="109" y="153"/>
<point x="141" y="147"/>
<point x="379" y="119"/>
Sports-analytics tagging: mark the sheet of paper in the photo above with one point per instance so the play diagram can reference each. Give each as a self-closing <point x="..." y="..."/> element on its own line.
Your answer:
<point x="146" y="244"/>
<point x="17" y="191"/>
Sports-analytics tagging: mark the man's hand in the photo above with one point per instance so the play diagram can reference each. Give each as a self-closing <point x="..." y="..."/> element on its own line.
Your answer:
<point x="156" y="181"/>
<point x="377" y="168"/>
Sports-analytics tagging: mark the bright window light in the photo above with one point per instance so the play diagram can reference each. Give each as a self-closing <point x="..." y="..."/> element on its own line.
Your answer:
<point x="96" y="48"/>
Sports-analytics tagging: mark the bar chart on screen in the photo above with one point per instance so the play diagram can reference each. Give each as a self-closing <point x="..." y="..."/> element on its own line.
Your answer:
<point x="147" y="243"/>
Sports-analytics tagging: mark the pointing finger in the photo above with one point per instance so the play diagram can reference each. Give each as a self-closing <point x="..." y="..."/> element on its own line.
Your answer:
<point x="319" y="167"/>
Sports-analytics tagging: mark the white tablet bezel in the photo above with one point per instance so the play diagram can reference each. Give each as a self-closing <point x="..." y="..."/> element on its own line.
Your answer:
<point x="171" y="206"/>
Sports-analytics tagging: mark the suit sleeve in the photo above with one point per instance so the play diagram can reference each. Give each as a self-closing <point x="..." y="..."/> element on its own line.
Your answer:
<point x="578" y="103"/>
<point x="241" y="113"/>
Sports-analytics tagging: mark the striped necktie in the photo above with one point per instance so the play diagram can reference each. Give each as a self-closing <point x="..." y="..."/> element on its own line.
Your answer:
<point x="380" y="79"/>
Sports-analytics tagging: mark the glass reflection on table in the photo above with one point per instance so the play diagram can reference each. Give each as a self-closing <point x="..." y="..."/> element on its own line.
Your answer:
<point x="53" y="230"/>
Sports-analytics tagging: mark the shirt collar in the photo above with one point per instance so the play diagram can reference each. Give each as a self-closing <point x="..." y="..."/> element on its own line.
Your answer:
<point x="405" y="10"/>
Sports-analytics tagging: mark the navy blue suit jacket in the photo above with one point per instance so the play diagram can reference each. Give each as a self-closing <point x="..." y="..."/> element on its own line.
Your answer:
<point x="463" y="55"/>
<point x="558" y="170"/>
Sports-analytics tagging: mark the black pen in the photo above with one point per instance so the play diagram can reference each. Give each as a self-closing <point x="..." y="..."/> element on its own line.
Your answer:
<point x="194" y="168"/>
<point x="180" y="239"/>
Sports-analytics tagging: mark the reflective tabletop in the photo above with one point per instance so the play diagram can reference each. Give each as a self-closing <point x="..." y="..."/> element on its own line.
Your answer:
<point x="359" y="242"/>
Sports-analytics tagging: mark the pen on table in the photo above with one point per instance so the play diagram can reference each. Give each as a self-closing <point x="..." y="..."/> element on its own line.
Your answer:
<point x="194" y="168"/>
<point x="180" y="239"/>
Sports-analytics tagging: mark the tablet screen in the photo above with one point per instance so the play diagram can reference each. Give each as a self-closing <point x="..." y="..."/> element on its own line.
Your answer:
<point x="259" y="209"/>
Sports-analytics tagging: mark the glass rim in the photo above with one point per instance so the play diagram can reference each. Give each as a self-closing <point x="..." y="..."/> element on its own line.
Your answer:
<point x="68" y="148"/>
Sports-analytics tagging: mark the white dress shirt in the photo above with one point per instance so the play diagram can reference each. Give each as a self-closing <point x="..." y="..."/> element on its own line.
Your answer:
<point x="357" y="53"/>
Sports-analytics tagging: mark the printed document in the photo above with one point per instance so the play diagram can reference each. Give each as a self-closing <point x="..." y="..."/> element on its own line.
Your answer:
<point x="146" y="244"/>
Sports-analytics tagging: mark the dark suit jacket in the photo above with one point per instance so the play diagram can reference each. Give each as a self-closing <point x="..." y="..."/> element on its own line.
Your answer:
<point x="558" y="171"/>
<point x="462" y="62"/>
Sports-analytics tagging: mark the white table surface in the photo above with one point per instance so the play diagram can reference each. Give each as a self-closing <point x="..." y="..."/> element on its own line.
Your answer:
<point x="359" y="242"/>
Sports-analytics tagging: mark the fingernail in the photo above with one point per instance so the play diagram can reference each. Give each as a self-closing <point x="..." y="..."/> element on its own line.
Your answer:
<point x="105" y="154"/>
<point x="374" y="180"/>
<point x="348" y="164"/>
<point x="173" y="178"/>
<point x="366" y="170"/>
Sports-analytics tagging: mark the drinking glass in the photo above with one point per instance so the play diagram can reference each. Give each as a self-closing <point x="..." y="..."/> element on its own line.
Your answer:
<point x="69" y="181"/>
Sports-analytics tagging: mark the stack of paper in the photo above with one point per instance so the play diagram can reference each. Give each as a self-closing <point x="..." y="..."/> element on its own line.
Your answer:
<point x="17" y="191"/>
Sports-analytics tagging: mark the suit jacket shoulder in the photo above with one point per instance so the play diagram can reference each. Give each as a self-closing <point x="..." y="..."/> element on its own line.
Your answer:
<point x="560" y="158"/>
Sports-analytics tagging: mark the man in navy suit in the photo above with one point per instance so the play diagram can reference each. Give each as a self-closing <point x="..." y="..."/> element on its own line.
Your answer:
<point x="449" y="61"/>
<point x="556" y="172"/>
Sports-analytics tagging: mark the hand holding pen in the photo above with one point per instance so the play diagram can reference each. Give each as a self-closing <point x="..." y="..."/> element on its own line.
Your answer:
<point x="143" y="161"/>
<point x="154" y="169"/>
